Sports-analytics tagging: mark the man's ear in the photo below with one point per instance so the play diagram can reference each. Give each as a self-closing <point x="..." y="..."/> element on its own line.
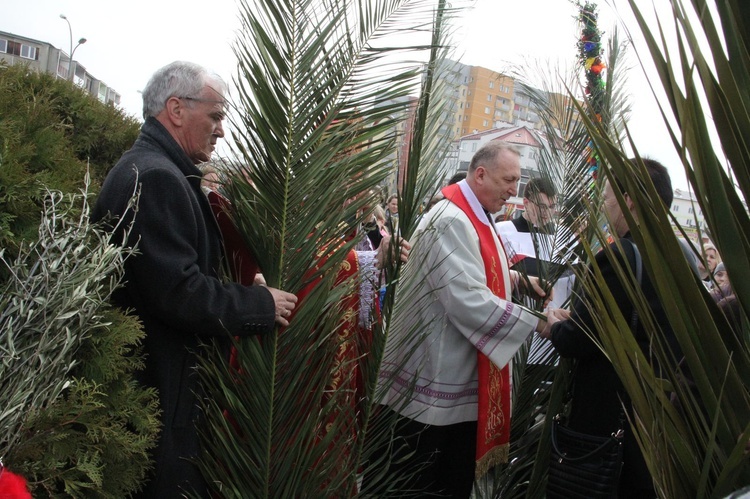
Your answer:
<point x="174" y="109"/>
<point x="480" y="173"/>
<point x="629" y="202"/>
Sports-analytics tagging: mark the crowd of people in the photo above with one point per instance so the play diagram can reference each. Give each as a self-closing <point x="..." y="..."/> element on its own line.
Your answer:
<point x="456" y="325"/>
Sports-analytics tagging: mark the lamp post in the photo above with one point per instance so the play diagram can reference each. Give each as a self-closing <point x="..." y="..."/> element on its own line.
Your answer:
<point x="72" y="48"/>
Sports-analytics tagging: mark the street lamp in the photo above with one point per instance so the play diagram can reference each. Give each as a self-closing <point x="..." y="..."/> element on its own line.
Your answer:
<point x="81" y="41"/>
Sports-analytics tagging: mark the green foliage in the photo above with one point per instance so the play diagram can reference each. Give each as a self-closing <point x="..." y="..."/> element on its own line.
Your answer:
<point x="73" y="422"/>
<point x="51" y="133"/>
<point x="320" y="101"/>
<point x="693" y="435"/>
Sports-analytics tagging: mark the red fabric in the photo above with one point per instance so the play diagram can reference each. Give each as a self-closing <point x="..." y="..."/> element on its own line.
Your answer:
<point x="240" y="260"/>
<point x="493" y="415"/>
<point x="13" y="486"/>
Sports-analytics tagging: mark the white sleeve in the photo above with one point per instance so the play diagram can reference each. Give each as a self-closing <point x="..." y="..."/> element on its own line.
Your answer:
<point x="456" y="274"/>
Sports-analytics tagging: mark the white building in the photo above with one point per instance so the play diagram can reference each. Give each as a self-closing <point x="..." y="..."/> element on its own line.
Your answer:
<point x="687" y="211"/>
<point x="42" y="56"/>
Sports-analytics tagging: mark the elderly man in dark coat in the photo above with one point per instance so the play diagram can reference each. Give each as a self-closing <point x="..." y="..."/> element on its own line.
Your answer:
<point x="174" y="283"/>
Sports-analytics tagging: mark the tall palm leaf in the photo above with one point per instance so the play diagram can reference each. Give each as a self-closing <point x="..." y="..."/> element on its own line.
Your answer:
<point x="320" y="95"/>
<point x="540" y="389"/>
<point x="694" y="448"/>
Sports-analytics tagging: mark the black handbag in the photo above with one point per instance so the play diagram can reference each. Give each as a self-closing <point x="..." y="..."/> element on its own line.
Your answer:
<point x="583" y="466"/>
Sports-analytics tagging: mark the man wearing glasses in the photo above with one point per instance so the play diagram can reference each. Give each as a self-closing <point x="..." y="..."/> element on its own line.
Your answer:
<point x="531" y="245"/>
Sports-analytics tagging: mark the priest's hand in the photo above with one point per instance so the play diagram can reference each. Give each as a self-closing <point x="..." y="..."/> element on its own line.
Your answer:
<point x="532" y="286"/>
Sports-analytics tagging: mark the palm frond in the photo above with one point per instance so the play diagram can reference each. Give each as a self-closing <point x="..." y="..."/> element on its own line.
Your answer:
<point x="321" y="94"/>
<point x="541" y="388"/>
<point x="691" y="434"/>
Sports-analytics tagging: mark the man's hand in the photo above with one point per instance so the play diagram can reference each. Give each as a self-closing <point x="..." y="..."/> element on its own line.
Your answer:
<point x="531" y="286"/>
<point x="554" y="315"/>
<point x="385" y="245"/>
<point x="285" y="303"/>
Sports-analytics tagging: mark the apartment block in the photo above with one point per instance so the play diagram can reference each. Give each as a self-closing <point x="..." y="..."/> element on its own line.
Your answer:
<point x="483" y="99"/>
<point x="43" y="56"/>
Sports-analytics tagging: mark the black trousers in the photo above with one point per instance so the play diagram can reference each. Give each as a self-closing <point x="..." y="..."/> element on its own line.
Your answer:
<point x="429" y="461"/>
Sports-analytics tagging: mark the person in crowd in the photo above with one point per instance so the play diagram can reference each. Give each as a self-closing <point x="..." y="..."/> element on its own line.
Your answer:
<point x="598" y="393"/>
<point x="712" y="259"/>
<point x="174" y="283"/>
<point x="391" y="213"/>
<point x="720" y="275"/>
<point x="454" y="330"/>
<point x="376" y="227"/>
<point x="724" y="296"/>
<point x="539" y="207"/>
<point x="531" y="245"/>
<point x="456" y="178"/>
<point x="529" y="237"/>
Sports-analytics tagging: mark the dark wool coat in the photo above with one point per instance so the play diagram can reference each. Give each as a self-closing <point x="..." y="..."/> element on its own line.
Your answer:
<point x="597" y="390"/>
<point x="174" y="287"/>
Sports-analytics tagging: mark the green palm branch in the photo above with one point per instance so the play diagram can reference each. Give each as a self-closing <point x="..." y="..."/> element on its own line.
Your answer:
<point x="541" y="389"/>
<point x="693" y="435"/>
<point x="320" y="94"/>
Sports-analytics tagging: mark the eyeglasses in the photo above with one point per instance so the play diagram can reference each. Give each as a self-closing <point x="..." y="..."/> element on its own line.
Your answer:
<point x="206" y="101"/>
<point x="544" y="206"/>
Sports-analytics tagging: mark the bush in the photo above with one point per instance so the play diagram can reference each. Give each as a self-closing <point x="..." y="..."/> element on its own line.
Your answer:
<point x="74" y="422"/>
<point x="51" y="133"/>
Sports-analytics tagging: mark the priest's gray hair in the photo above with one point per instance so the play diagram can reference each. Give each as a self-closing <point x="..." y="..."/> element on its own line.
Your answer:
<point x="487" y="154"/>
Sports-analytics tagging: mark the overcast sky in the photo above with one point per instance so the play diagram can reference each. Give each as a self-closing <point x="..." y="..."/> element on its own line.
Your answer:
<point x="127" y="41"/>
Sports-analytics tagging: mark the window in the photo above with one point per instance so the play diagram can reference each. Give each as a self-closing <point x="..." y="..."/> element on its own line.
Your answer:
<point x="690" y="211"/>
<point x="675" y="208"/>
<point x="484" y="122"/>
<point x="468" y="105"/>
<point x="28" y="52"/>
<point x="3" y="45"/>
<point x="489" y="98"/>
<point x="459" y="117"/>
<point x="506" y="89"/>
<point x="463" y="92"/>
<point x="492" y="84"/>
<point x="466" y="118"/>
<point x="486" y="110"/>
<point x="473" y="147"/>
<point x="463" y="130"/>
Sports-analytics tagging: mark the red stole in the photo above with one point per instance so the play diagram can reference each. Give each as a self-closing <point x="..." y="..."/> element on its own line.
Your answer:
<point x="493" y="411"/>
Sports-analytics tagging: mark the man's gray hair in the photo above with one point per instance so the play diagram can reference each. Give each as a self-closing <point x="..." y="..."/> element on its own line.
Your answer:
<point x="178" y="79"/>
<point x="489" y="152"/>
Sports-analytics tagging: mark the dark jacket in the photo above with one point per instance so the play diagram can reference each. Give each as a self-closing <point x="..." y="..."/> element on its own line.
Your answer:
<point x="597" y="390"/>
<point x="174" y="286"/>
